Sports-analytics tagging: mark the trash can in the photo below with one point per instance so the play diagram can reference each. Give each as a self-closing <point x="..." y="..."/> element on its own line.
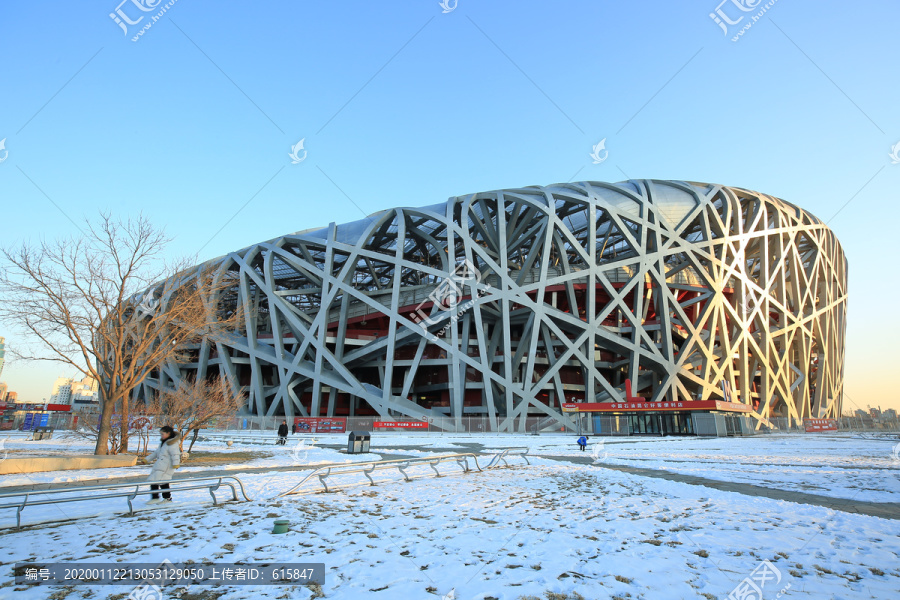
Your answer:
<point x="358" y="442"/>
<point x="42" y="433"/>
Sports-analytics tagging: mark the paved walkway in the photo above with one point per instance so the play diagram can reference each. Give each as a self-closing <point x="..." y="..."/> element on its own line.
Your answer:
<point x="144" y="470"/>
<point x="885" y="510"/>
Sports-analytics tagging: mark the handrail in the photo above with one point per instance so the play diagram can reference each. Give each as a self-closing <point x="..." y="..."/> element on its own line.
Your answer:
<point x="268" y="437"/>
<point x="402" y="464"/>
<point x="219" y="437"/>
<point x="508" y="452"/>
<point x="367" y="468"/>
<point x="134" y="491"/>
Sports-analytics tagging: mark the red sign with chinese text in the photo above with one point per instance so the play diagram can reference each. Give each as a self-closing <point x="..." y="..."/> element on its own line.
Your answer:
<point x="656" y="406"/>
<point x="816" y="425"/>
<point x="320" y="424"/>
<point x="402" y="424"/>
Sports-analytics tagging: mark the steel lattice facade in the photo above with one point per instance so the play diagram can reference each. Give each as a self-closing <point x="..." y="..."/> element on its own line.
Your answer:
<point x="506" y="304"/>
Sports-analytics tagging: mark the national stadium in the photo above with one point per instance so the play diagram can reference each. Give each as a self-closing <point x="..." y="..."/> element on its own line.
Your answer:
<point x="631" y="307"/>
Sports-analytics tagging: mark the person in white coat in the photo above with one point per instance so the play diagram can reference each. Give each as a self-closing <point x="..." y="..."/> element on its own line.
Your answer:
<point x="165" y="460"/>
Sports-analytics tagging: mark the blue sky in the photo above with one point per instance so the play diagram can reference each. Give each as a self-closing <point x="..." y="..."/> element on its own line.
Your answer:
<point x="399" y="103"/>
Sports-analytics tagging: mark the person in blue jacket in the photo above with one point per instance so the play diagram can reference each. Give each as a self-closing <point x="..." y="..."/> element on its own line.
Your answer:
<point x="582" y="442"/>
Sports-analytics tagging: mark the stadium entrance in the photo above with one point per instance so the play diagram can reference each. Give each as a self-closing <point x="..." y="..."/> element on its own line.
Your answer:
<point x="638" y="417"/>
<point x="661" y="424"/>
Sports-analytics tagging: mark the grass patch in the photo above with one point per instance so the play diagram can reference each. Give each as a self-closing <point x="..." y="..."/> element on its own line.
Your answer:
<point x="213" y="459"/>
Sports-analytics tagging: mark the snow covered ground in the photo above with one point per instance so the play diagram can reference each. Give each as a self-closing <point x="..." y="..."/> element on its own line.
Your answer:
<point x="835" y="465"/>
<point x="520" y="532"/>
<point x="839" y="465"/>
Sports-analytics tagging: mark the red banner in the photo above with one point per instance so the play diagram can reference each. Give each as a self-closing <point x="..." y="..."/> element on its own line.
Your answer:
<point x="320" y="424"/>
<point x="656" y="406"/>
<point x="816" y="425"/>
<point x="402" y="424"/>
<point x="59" y="407"/>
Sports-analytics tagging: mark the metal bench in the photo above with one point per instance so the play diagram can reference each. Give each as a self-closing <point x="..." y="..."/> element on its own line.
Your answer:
<point x="246" y="439"/>
<point x="367" y="468"/>
<point x="501" y="457"/>
<point x="129" y="491"/>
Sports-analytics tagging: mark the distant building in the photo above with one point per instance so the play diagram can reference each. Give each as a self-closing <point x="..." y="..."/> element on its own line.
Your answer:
<point x="863" y="418"/>
<point x="6" y="395"/>
<point x="2" y="353"/>
<point x="75" y="393"/>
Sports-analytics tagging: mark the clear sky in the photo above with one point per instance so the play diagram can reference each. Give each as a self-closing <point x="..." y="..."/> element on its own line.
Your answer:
<point x="400" y="103"/>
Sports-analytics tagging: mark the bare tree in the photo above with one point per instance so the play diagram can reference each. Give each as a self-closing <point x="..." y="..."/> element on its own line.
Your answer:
<point x="137" y="425"/>
<point x="194" y="405"/>
<point x="107" y="304"/>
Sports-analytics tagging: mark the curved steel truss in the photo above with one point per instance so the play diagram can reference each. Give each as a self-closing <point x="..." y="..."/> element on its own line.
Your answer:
<point x="504" y="304"/>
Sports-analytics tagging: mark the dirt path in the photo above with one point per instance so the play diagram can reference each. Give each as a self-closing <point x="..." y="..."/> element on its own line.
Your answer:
<point x="884" y="510"/>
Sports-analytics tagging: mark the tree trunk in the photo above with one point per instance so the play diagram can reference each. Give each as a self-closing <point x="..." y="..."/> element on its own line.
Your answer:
<point x="106" y="411"/>
<point x="124" y="424"/>
<point x="193" y="439"/>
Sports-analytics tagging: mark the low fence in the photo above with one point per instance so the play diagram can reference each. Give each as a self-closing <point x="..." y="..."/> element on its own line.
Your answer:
<point x="722" y="425"/>
<point x="473" y="425"/>
<point x="128" y="491"/>
<point x="591" y="424"/>
<point x="402" y="465"/>
<point x="55" y="420"/>
<point x="855" y="424"/>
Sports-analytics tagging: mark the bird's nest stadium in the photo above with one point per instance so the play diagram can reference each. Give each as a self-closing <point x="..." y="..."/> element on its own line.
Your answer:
<point x="643" y="302"/>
